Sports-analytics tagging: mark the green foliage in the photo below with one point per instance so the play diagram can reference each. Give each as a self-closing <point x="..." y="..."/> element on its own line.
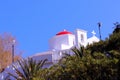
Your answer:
<point x="114" y="42"/>
<point x="117" y="27"/>
<point x="85" y="68"/>
<point x="79" y="52"/>
<point x="30" y="69"/>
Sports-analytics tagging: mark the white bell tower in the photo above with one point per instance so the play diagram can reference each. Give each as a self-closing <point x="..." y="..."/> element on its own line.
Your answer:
<point x="81" y="37"/>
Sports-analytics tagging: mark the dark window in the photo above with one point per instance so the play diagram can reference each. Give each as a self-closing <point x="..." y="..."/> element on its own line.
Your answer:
<point x="82" y="38"/>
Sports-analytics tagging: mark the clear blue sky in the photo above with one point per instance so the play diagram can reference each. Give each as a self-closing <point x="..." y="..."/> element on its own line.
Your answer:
<point x="34" y="22"/>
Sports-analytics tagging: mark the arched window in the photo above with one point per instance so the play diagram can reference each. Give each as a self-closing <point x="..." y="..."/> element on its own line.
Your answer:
<point x="82" y="38"/>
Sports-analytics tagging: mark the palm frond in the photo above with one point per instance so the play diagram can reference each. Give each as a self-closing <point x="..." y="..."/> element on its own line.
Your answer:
<point x="29" y="68"/>
<point x="79" y="52"/>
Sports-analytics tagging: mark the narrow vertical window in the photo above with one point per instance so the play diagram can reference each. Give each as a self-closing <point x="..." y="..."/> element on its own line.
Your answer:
<point x="82" y="38"/>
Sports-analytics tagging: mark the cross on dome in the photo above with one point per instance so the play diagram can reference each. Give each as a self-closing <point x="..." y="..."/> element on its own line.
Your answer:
<point x="64" y="30"/>
<point x="93" y="32"/>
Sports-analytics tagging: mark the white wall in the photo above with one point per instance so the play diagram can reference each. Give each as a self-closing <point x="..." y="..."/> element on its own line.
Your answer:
<point x="92" y="40"/>
<point x="61" y="42"/>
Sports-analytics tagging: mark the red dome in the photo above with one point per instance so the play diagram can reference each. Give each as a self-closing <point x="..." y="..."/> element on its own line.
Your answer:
<point x="63" y="32"/>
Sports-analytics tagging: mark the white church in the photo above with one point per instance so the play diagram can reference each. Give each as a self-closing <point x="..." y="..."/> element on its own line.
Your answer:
<point x="62" y="42"/>
<point x="59" y="44"/>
